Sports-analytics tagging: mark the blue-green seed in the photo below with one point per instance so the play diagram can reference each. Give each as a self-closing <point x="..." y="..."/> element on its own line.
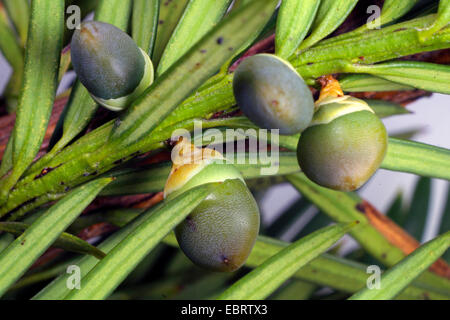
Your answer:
<point x="272" y="94"/>
<point x="106" y="60"/>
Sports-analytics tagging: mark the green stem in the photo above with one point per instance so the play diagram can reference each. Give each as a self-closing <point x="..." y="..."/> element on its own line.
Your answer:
<point x="19" y="12"/>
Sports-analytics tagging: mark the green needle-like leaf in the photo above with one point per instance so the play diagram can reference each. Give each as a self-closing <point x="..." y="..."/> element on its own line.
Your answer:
<point x="320" y="220"/>
<point x="19" y="12"/>
<point x="64" y="64"/>
<point x="417" y="158"/>
<point x="116" y="12"/>
<point x="85" y="7"/>
<point x="39" y="87"/>
<point x="445" y="223"/>
<point x="287" y="218"/>
<point x="416" y="217"/>
<point x="12" y="50"/>
<point x="129" y="181"/>
<point x="384" y="109"/>
<point x="422" y="75"/>
<point x="265" y="279"/>
<point x="5" y="240"/>
<point x="65" y="241"/>
<point x="295" y="290"/>
<point x="10" y="47"/>
<point x="442" y="20"/>
<point x="7" y="161"/>
<point x="392" y="10"/>
<point x="239" y="3"/>
<point x="129" y="222"/>
<point x="100" y="282"/>
<point x="77" y="113"/>
<point x="170" y="13"/>
<point x="20" y="254"/>
<point x="370" y="47"/>
<point x="294" y="21"/>
<point x="329" y="17"/>
<point x="40" y="276"/>
<point x="408" y="134"/>
<point x="287" y="163"/>
<point x="369" y="83"/>
<point x="199" y="17"/>
<point x="395" y="211"/>
<point x="145" y="23"/>
<point x="403" y="273"/>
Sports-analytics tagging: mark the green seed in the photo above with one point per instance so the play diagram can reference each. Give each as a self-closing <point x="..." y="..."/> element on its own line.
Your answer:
<point x="344" y="145"/>
<point x="272" y="94"/>
<point x="220" y="233"/>
<point x="110" y="64"/>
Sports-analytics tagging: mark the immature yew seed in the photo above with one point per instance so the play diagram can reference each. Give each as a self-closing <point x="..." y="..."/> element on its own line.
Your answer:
<point x="221" y="232"/>
<point x="344" y="145"/>
<point x="110" y="65"/>
<point x="272" y="94"/>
